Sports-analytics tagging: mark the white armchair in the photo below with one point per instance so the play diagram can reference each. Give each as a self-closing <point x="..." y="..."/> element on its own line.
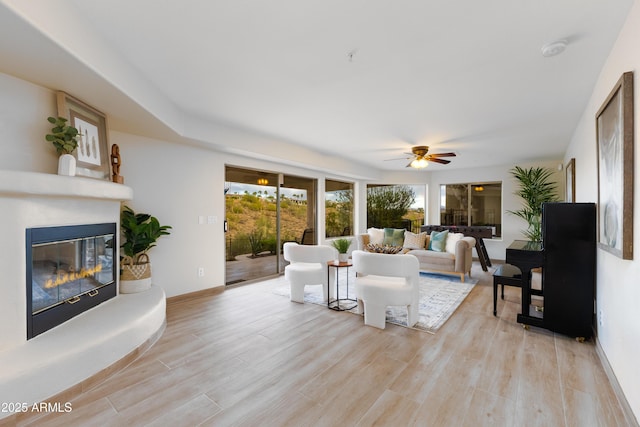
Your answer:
<point x="308" y="266"/>
<point x="383" y="280"/>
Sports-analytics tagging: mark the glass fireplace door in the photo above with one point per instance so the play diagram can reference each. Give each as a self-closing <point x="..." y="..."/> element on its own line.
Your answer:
<point x="70" y="269"/>
<point x="65" y="270"/>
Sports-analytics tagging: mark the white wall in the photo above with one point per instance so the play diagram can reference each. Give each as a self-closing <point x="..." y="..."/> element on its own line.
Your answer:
<point x="618" y="289"/>
<point x="177" y="185"/>
<point x="24" y="109"/>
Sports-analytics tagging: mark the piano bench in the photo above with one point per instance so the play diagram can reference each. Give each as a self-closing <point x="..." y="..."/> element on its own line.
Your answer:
<point x="505" y="274"/>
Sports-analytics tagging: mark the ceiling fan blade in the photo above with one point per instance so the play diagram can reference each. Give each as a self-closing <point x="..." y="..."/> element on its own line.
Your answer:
<point x="400" y="158"/>
<point x="443" y="155"/>
<point x="436" y="160"/>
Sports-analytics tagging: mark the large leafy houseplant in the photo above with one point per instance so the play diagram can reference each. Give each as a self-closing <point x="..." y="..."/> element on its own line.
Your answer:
<point x="140" y="232"/>
<point x="536" y="188"/>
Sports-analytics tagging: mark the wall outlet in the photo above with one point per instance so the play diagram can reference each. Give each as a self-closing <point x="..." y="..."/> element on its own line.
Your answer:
<point x="212" y="219"/>
<point x="200" y="271"/>
<point x="600" y="318"/>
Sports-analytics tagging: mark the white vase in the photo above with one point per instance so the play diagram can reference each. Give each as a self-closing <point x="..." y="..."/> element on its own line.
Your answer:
<point x="343" y="257"/>
<point x="67" y="165"/>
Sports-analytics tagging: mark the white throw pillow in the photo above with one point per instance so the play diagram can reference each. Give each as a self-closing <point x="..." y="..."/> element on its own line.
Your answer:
<point x="376" y="235"/>
<point x="452" y="239"/>
<point x="413" y="240"/>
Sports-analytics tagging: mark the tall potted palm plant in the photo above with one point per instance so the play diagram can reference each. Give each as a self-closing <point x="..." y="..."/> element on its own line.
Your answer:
<point x="536" y="188"/>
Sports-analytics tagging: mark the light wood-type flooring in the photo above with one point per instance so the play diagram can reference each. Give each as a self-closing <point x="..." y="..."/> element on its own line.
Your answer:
<point x="247" y="357"/>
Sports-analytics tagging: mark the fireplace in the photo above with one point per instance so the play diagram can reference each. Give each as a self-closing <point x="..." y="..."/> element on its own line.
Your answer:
<point x="70" y="269"/>
<point x="77" y="353"/>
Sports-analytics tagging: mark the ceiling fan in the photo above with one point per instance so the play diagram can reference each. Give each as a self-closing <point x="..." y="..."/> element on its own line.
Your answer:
<point x="421" y="158"/>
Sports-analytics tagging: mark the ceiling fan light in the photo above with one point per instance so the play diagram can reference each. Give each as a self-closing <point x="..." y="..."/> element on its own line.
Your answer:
<point x="419" y="163"/>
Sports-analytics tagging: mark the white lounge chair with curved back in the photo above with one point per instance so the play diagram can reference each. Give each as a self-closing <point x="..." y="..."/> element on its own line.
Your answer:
<point x="308" y="266"/>
<point x="383" y="280"/>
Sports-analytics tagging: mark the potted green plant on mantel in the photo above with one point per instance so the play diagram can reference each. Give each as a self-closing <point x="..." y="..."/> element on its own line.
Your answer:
<point x="65" y="139"/>
<point x="140" y="232"/>
<point x="342" y="245"/>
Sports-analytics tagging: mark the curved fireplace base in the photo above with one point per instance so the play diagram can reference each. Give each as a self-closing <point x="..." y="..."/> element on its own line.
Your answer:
<point x="83" y="351"/>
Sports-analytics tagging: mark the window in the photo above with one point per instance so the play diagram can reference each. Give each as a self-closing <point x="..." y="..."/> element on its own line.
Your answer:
<point x="396" y="206"/>
<point x="338" y="208"/>
<point x="472" y="204"/>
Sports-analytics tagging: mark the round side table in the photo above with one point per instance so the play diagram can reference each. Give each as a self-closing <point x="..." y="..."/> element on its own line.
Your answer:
<point x="335" y="304"/>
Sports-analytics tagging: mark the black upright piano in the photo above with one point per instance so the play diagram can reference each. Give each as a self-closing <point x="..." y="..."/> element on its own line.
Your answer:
<point x="567" y="255"/>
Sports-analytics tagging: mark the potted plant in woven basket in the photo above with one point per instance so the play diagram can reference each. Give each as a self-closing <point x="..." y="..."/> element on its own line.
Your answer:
<point x="140" y="232"/>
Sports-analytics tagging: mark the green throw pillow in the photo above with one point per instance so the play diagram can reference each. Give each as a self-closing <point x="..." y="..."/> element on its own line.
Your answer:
<point x="438" y="240"/>
<point x="393" y="237"/>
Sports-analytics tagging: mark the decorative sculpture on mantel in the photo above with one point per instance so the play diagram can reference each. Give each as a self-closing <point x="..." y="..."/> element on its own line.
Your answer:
<point x="115" y="165"/>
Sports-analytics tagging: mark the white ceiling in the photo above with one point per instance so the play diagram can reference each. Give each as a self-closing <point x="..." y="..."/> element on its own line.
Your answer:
<point x="363" y="78"/>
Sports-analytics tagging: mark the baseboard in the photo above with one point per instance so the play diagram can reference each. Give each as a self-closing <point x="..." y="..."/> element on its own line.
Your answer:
<point x="493" y="262"/>
<point x="196" y="294"/>
<point x="626" y="408"/>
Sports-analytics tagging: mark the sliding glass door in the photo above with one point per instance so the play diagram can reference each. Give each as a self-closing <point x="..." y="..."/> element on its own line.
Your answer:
<point x="264" y="210"/>
<point x="297" y="211"/>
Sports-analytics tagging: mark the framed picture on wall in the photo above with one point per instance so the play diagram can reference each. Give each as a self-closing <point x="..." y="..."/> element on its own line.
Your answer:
<point x="570" y="181"/>
<point x="92" y="152"/>
<point x="614" y="136"/>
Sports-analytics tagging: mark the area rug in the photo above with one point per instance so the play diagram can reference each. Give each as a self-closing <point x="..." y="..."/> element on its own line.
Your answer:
<point x="440" y="296"/>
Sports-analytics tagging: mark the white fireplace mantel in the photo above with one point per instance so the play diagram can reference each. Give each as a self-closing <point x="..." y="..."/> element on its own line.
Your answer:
<point x="28" y="200"/>
<point x="27" y="184"/>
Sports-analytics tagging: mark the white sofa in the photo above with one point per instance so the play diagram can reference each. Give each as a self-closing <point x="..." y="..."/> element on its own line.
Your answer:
<point x="456" y="258"/>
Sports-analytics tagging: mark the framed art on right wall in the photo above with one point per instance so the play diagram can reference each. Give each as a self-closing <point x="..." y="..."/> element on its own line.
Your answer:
<point x="570" y="181"/>
<point x="614" y="135"/>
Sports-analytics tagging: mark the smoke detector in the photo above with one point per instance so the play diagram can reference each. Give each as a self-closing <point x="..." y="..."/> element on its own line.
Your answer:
<point x="554" y="48"/>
